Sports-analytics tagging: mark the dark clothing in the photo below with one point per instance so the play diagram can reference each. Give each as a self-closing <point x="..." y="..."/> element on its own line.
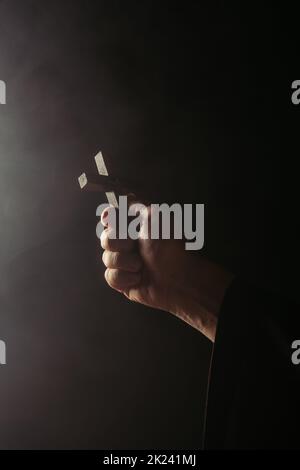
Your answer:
<point x="88" y="369"/>
<point x="254" y="388"/>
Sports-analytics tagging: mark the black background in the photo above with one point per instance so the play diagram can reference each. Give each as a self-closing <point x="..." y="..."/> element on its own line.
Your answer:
<point x="191" y="97"/>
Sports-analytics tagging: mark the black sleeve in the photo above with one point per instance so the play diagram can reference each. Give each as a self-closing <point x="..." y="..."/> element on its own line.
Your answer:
<point x="254" y="387"/>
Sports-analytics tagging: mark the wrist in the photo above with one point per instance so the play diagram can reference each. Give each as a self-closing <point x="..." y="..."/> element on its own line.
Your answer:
<point x="200" y="295"/>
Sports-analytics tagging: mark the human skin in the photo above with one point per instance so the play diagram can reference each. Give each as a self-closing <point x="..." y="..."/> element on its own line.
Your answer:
<point x="163" y="275"/>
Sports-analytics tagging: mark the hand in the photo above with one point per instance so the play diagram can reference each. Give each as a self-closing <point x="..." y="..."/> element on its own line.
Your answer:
<point x="163" y="275"/>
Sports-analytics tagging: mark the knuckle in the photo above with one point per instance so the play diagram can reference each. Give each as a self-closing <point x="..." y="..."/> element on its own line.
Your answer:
<point x="114" y="258"/>
<point x="105" y="258"/>
<point x="122" y="260"/>
<point x="112" y="276"/>
<point x="111" y="259"/>
<point x="119" y="279"/>
<point x="108" y="241"/>
<point x="103" y="239"/>
<point x="108" y="215"/>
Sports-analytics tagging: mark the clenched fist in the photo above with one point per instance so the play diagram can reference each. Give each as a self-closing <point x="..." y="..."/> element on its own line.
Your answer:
<point x="163" y="275"/>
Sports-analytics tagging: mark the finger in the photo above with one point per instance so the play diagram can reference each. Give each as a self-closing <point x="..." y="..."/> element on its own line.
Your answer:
<point x="110" y="243"/>
<point x="108" y="216"/>
<point x="120" y="280"/>
<point x="122" y="260"/>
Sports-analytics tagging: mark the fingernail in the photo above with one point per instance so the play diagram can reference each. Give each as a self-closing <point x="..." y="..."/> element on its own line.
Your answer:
<point x="104" y="215"/>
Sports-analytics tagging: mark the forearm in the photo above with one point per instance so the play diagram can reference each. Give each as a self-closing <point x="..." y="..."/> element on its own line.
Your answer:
<point x="199" y="297"/>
